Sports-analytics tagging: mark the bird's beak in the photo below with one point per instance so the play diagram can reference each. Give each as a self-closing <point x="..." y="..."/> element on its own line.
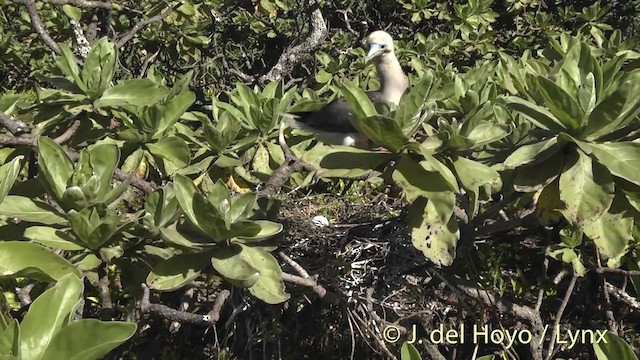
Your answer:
<point x="375" y="50"/>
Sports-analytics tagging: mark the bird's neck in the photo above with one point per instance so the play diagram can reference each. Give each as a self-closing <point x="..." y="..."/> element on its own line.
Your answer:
<point x="393" y="81"/>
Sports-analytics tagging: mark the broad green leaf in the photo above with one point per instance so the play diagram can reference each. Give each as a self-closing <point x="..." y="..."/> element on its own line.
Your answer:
<point x="104" y="159"/>
<point x="549" y="207"/>
<point x="433" y="164"/>
<point x="8" y="175"/>
<point x="613" y="347"/>
<point x="562" y="105"/>
<point x="261" y="161"/>
<point x="47" y="315"/>
<point x="417" y="182"/>
<point x="535" y="177"/>
<point x="538" y="115"/>
<point x="267" y="229"/>
<point x="383" y="131"/>
<point x="615" y="111"/>
<point x="358" y="100"/>
<point x="586" y="187"/>
<point x="175" y="272"/>
<point x="99" y="67"/>
<point x="409" y="352"/>
<point x="269" y="287"/>
<point x="30" y="210"/>
<point x="344" y="161"/>
<point x="10" y="340"/>
<point x="185" y="192"/>
<point x="51" y="237"/>
<point x="175" y="237"/>
<point x="621" y="159"/>
<point x="435" y="239"/>
<point x="612" y="231"/>
<point x="55" y="165"/>
<point x="532" y="153"/>
<point x="138" y="92"/>
<point x="172" y="151"/>
<point x="229" y="262"/>
<point x="89" y="339"/>
<point x="242" y="207"/>
<point x="486" y="133"/>
<point x="67" y="63"/>
<point x="172" y="110"/>
<point x="407" y="115"/>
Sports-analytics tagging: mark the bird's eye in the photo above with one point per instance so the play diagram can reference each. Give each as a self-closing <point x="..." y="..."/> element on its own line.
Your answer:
<point x="383" y="46"/>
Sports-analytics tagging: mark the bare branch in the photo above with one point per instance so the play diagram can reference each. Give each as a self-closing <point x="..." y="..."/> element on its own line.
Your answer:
<point x="556" y="324"/>
<point x="292" y="56"/>
<point x="622" y="296"/>
<point x="15" y="126"/>
<point x="141" y="24"/>
<point x="38" y="25"/>
<point x="607" y="270"/>
<point x="83" y="3"/>
<point x="182" y="316"/>
<point x="68" y="134"/>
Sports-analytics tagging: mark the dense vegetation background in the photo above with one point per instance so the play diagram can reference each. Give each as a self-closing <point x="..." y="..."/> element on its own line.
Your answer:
<point x="151" y="207"/>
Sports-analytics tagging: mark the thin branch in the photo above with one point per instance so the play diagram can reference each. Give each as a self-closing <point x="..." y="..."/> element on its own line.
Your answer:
<point x="38" y="25"/>
<point x="105" y="293"/>
<point x="24" y="294"/>
<point x="607" y="270"/>
<point x="182" y="316"/>
<point x="297" y="267"/>
<point x="141" y="24"/>
<point x="622" y="296"/>
<point x="304" y="49"/>
<point x="83" y="3"/>
<point x="500" y="226"/>
<point x="68" y="134"/>
<point x="15" y="126"/>
<point x="556" y="323"/>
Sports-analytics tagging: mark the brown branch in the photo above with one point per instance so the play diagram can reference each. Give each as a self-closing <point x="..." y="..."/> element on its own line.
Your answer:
<point x="83" y="3"/>
<point x="297" y="267"/>
<point x="607" y="270"/>
<point x="15" y="126"/>
<point x="38" y="25"/>
<point x="182" y="316"/>
<point x="68" y="134"/>
<point x="123" y="39"/>
<point x="24" y="294"/>
<point x="290" y="165"/>
<point x="622" y="296"/>
<point x="520" y="311"/>
<point x="105" y="293"/>
<point x="556" y="323"/>
<point x="500" y="226"/>
<point x="294" y="55"/>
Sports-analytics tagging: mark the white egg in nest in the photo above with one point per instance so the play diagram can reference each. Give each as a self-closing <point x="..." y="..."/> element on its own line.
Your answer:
<point x="320" y="221"/>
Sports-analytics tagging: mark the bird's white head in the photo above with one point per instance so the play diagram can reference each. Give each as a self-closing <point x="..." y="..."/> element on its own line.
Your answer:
<point x="380" y="44"/>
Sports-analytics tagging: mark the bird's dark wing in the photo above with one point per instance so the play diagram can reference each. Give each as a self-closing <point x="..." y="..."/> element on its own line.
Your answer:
<point x="334" y="117"/>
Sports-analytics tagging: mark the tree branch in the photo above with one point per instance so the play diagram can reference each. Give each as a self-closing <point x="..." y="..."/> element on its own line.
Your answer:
<point x="182" y="316"/>
<point x="38" y="25"/>
<point x="292" y="56"/>
<point x="556" y="323"/>
<point x="15" y="126"/>
<point x="83" y="3"/>
<point x="123" y="39"/>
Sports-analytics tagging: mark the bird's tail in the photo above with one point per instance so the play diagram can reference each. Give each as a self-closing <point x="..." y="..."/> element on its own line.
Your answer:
<point x="295" y="121"/>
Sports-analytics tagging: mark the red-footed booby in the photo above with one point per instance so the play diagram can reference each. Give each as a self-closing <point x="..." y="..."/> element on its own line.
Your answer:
<point x="332" y="123"/>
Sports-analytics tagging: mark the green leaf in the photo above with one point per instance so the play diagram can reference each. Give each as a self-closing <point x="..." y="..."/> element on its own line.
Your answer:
<point x="55" y="165"/>
<point x="229" y="262"/>
<point x="47" y="315"/>
<point x="538" y="115"/>
<point x="407" y="115"/>
<point x="344" y="161"/>
<point x="383" y="131"/>
<point x="586" y="187"/>
<point x="242" y="207"/>
<point x="10" y="340"/>
<point x="615" y="111"/>
<point x="267" y="229"/>
<point x="532" y="178"/>
<point x="172" y="151"/>
<point x="8" y="175"/>
<point x="433" y="164"/>
<point x="562" y="105"/>
<point x="533" y="153"/>
<point x="269" y="287"/>
<point x="89" y="339"/>
<point x="51" y="237"/>
<point x="486" y="133"/>
<point x="172" y="110"/>
<point x="185" y="192"/>
<point x="613" y="347"/>
<point x="67" y="63"/>
<point x="621" y="159"/>
<point x="175" y="272"/>
<point x="99" y="67"/>
<point x="138" y="92"/>
<point x="104" y="159"/>
<point x="435" y="239"/>
<point x="409" y="352"/>
<point x="261" y="161"/>
<point x="362" y="106"/>
<point x="612" y="231"/>
<point x="30" y="210"/>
